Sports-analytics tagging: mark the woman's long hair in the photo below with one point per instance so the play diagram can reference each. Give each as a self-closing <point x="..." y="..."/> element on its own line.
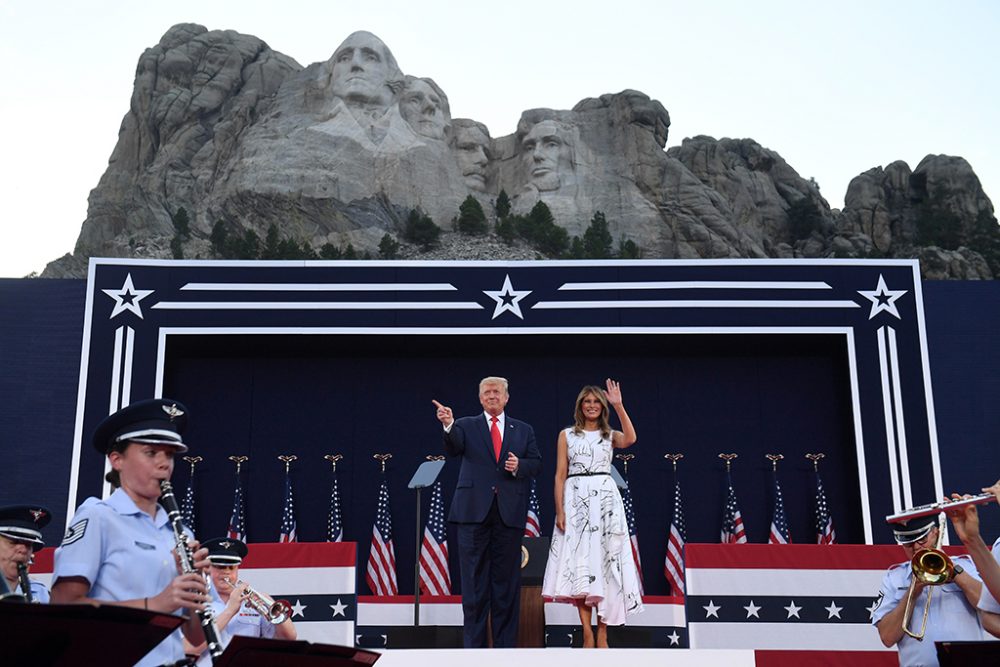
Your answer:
<point x="580" y="421"/>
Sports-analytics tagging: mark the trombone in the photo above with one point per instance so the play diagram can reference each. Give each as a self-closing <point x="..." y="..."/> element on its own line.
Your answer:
<point x="931" y="567"/>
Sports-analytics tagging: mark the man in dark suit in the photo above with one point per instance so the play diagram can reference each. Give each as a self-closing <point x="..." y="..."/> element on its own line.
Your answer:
<point x="490" y="505"/>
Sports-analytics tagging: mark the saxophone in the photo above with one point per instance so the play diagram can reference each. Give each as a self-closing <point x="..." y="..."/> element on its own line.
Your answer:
<point x="169" y="502"/>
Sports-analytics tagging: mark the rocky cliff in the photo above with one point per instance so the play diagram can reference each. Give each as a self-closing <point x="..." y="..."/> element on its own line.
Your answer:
<point x="337" y="154"/>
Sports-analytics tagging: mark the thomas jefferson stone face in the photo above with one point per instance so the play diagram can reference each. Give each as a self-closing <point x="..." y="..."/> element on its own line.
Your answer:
<point x="548" y="154"/>
<point x="425" y="109"/>
<point x="472" y="154"/>
<point x="361" y="70"/>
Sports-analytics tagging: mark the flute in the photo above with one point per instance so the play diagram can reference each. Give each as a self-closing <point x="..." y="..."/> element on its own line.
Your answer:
<point x="943" y="506"/>
<point x="169" y="502"/>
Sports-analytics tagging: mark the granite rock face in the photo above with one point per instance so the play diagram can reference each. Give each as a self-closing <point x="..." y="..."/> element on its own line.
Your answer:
<point x="195" y="93"/>
<point x="896" y="212"/>
<point x="341" y="151"/>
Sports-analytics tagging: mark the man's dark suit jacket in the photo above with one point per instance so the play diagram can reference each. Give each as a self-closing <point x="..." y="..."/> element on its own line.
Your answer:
<point x="481" y="476"/>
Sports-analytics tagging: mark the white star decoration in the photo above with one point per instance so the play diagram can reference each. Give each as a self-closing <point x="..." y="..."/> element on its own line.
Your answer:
<point x="793" y="610"/>
<point x="298" y="609"/>
<point x="752" y="610"/>
<point x="833" y="609"/>
<point x="712" y="609"/>
<point x="883" y="298"/>
<point x="871" y="609"/>
<point x="507" y="298"/>
<point x="338" y="609"/>
<point x="675" y="639"/>
<point x="127" y="298"/>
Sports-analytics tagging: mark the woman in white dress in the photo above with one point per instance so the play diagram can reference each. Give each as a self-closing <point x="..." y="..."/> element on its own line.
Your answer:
<point x="590" y="559"/>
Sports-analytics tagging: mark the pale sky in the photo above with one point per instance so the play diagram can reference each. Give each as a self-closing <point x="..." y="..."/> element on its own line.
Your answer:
<point x="835" y="88"/>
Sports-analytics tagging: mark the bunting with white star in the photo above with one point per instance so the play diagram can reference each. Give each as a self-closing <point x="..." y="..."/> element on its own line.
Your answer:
<point x="797" y="597"/>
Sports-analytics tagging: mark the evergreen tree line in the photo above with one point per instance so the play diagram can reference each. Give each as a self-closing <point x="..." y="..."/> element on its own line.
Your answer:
<point x="939" y="225"/>
<point x="537" y="228"/>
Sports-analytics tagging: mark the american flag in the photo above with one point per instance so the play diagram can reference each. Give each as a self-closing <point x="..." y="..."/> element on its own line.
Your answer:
<point x="187" y="507"/>
<point x="779" y="524"/>
<point x="381" y="575"/>
<point x="237" y="521"/>
<point x="434" y="576"/>
<point x="532" y="524"/>
<point x="673" y="564"/>
<point x="334" y="522"/>
<point x="824" y="522"/>
<point x="632" y="536"/>
<point x="288" y="514"/>
<point x="732" y="522"/>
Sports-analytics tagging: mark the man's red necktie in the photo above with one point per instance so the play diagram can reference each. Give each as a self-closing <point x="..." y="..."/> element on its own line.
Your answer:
<point x="495" y="435"/>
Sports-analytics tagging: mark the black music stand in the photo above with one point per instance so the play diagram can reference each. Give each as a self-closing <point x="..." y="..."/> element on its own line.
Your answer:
<point x="258" y="652"/>
<point x="416" y="635"/>
<point x="964" y="654"/>
<point x="426" y="474"/>
<point x="60" y="635"/>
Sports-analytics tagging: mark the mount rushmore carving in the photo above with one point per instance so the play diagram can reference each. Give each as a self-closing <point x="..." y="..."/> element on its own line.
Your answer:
<point x="341" y="151"/>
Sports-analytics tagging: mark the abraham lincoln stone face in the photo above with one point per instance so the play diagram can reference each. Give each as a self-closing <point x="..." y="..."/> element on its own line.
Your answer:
<point x="547" y="150"/>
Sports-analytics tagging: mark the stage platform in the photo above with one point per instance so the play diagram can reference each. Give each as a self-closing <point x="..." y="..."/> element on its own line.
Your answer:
<point x="546" y="657"/>
<point x="538" y="657"/>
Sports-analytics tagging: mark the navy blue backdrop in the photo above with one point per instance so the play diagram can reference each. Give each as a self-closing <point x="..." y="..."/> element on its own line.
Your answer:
<point x="311" y="396"/>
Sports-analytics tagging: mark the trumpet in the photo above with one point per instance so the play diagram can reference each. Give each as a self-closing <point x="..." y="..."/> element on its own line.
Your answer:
<point x="275" y="611"/>
<point x="943" y="506"/>
<point x="932" y="567"/>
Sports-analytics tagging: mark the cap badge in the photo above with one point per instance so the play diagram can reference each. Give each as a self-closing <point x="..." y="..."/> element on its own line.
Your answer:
<point x="37" y="514"/>
<point x="172" y="411"/>
<point x="226" y="544"/>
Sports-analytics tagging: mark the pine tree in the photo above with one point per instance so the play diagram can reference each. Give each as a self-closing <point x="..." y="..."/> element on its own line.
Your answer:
<point x="471" y="218"/>
<point x="420" y="229"/>
<point x="271" y="243"/>
<point x="502" y="205"/>
<point x="388" y="247"/>
<point x="628" y="249"/>
<point x="597" y="241"/>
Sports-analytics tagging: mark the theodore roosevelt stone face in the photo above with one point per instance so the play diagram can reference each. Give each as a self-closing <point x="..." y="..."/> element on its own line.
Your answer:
<point x="472" y="152"/>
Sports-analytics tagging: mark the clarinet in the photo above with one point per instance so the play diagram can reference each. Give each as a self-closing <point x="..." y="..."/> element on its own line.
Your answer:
<point x="169" y="502"/>
<point x="7" y="595"/>
<point x="22" y="574"/>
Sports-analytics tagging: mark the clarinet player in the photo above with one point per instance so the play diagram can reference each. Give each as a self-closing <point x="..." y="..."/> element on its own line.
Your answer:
<point x="20" y="536"/>
<point x="121" y="550"/>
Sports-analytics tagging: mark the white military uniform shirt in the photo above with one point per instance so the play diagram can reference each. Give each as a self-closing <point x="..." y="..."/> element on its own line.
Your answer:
<point x="124" y="554"/>
<point x="950" y="618"/>
<point x="39" y="593"/>
<point x="246" y="623"/>
<point x="986" y="600"/>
